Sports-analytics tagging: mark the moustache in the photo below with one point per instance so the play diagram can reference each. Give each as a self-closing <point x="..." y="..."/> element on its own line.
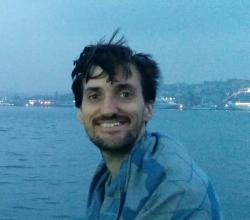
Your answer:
<point x="114" y="117"/>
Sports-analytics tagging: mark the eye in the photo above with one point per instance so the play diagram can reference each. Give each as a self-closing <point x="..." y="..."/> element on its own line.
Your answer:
<point x="94" y="97"/>
<point x="126" y="94"/>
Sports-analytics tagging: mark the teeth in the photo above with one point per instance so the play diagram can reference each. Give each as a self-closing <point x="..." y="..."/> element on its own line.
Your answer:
<point x="110" y="125"/>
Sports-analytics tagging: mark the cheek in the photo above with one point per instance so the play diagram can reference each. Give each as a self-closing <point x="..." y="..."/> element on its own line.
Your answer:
<point x="83" y="116"/>
<point x="88" y="113"/>
<point x="140" y="113"/>
<point x="80" y="116"/>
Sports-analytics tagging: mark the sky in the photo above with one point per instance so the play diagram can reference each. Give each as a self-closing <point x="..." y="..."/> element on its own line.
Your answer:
<point x="192" y="40"/>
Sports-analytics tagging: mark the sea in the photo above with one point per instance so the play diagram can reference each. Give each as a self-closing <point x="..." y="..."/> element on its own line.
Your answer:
<point x="47" y="161"/>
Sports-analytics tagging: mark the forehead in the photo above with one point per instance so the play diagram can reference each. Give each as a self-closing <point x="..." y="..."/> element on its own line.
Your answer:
<point x="100" y="78"/>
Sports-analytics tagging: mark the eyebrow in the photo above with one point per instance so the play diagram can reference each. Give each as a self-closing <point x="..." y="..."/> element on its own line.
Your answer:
<point x="92" y="89"/>
<point x="126" y="86"/>
<point x="118" y="87"/>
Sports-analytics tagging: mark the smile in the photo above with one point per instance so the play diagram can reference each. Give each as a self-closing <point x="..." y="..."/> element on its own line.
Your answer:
<point x="110" y="125"/>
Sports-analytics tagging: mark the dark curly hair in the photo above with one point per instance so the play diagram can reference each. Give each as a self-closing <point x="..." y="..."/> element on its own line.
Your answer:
<point x="110" y="55"/>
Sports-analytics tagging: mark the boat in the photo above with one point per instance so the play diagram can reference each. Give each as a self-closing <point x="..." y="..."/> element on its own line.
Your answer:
<point x="4" y="103"/>
<point x="168" y="104"/>
<point x="239" y="100"/>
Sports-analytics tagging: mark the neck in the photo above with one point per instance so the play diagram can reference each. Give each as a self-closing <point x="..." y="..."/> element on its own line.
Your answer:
<point x="113" y="161"/>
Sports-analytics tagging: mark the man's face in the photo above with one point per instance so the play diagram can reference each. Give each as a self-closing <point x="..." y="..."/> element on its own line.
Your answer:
<point x="114" y="113"/>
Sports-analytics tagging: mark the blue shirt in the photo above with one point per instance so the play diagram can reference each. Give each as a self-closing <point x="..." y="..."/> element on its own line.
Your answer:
<point x="158" y="181"/>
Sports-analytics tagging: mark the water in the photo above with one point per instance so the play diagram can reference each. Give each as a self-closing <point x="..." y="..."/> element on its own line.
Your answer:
<point x="46" y="160"/>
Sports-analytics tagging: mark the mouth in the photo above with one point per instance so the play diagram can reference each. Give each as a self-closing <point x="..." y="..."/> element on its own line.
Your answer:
<point x="111" y="124"/>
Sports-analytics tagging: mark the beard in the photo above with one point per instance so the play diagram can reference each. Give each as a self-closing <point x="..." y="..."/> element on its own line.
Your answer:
<point x="121" y="146"/>
<point x="118" y="144"/>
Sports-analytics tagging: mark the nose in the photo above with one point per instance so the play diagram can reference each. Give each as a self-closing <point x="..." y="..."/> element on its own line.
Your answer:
<point x="109" y="106"/>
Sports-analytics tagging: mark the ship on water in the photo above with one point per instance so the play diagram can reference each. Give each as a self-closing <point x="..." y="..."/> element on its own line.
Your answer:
<point x="239" y="100"/>
<point x="168" y="103"/>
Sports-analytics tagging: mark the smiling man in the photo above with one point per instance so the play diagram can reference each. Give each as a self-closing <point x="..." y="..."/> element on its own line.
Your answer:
<point x="143" y="175"/>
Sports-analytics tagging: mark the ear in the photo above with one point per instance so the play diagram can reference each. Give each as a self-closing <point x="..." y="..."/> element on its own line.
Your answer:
<point x="148" y="111"/>
<point x="80" y="115"/>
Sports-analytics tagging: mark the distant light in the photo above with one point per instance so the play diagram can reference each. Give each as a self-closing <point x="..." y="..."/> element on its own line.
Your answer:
<point x="181" y="107"/>
<point x="247" y="104"/>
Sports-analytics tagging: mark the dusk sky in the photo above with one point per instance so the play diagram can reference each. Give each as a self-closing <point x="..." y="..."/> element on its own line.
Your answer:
<point x="191" y="40"/>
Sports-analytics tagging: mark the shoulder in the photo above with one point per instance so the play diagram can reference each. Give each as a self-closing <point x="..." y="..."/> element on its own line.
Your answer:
<point x="185" y="186"/>
<point x="164" y="163"/>
<point x="173" y="157"/>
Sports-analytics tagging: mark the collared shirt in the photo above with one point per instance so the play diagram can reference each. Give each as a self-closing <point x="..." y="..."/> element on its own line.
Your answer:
<point x="158" y="181"/>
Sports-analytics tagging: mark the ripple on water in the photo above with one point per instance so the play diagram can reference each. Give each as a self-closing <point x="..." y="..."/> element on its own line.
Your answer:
<point x="5" y="183"/>
<point x="61" y="216"/>
<point x="14" y="154"/>
<point x="34" y="179"/>
<point x="16" y="167"/>
<point x="4" y="129"/>
<point x="52" y="203"/>
<point x="24" y="208"/>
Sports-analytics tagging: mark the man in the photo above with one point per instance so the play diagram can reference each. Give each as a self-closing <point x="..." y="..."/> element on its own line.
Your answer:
<point x="143" y="175"/>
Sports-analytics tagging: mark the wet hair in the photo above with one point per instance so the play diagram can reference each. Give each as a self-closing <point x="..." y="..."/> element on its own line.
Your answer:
<point x="110" y="55"/>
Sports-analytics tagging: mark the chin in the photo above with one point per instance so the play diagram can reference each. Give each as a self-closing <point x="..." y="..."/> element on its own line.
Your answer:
<point x="122" y="144"/>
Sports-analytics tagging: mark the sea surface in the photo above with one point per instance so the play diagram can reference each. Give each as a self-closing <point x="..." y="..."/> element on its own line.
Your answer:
<point x="46" y="160"/>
